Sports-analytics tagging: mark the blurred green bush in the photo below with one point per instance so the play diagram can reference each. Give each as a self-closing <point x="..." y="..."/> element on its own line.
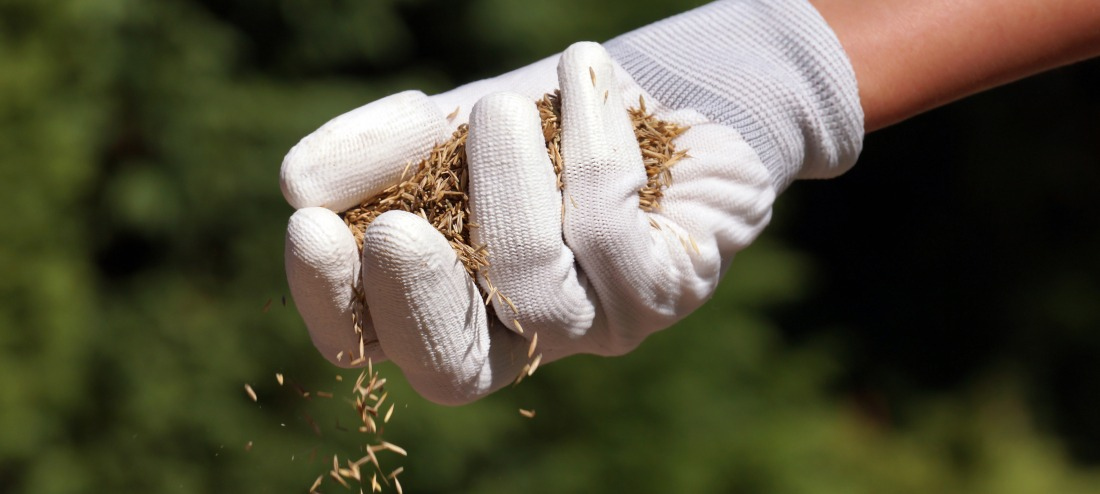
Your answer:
<point x="143" y="286"/>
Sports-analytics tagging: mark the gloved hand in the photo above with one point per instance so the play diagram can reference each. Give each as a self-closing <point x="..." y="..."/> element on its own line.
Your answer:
<point x="768" y="95"/>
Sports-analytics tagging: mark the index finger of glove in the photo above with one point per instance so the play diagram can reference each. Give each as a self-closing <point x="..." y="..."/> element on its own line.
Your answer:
<point x="516" y="203"/>
<point x="358" y="154"/>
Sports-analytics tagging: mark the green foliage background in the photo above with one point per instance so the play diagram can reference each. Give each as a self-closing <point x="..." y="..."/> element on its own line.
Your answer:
<point x="927" y="323"/>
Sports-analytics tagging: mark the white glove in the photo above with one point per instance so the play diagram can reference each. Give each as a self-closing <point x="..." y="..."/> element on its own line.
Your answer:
<point x="606" y="274"/>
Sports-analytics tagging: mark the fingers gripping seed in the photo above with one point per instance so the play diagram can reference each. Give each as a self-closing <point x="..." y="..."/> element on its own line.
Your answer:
<point x="437" y="188"/>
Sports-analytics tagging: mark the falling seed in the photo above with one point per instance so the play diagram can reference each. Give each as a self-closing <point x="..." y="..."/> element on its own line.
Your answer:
<point x="534" y="364"/>
<point x="248" y="447"/>
<point x="492" y="293"/>
<point x="522" y="374"/>
<point x="534" y="343"/>
<point x="348" y="473"/>
<point x="340" y="356"/>
<point x="324" y="394"/>
<point x="592" y="74"/>
<point x="373" y="458"/>
<point x="251" y="393"/>
<point x="359" y="381"/>
<point x="279" y="377"/>
<point x="386" y="420"/>
<point x="339" y="378"/>
<point x="316" y="484"/>
<point x="395" y="448"/>
<point x="508" y="301"/>
<point x="336" y="475"/>
<point x="451" y="116"/>
<point x="527" y="413"/>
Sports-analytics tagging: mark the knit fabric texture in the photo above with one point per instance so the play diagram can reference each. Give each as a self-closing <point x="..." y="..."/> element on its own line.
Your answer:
<point x="773" y="70"/>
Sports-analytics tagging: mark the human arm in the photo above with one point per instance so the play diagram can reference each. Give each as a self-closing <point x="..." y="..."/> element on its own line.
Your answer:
<point x="910" y="56"/>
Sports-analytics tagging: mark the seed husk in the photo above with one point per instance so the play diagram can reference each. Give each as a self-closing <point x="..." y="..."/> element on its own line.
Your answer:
<point x="534" y="364"/>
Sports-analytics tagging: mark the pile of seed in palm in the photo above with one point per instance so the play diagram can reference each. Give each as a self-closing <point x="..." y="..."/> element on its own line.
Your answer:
<point x="437" y="188"/>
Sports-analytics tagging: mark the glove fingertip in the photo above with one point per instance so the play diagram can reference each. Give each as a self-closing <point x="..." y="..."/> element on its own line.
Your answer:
<point x="359" y="153"/>
<point x="588" y="75"/>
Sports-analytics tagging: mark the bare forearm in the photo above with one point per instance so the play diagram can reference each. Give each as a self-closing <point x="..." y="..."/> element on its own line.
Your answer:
<point x="911" y="56"/>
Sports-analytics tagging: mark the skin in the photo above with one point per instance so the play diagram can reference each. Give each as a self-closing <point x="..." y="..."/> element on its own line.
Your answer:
<point x="954" y="48"/>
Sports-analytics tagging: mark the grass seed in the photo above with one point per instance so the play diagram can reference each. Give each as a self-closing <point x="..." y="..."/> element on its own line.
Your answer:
<point x="437" y="187"/>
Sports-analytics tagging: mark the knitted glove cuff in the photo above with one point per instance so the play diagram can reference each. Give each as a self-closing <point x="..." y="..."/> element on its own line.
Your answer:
<point x="773" y="70"/>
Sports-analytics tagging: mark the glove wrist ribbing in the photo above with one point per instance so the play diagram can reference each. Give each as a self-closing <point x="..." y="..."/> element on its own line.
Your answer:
<point x="772" y="70"/>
